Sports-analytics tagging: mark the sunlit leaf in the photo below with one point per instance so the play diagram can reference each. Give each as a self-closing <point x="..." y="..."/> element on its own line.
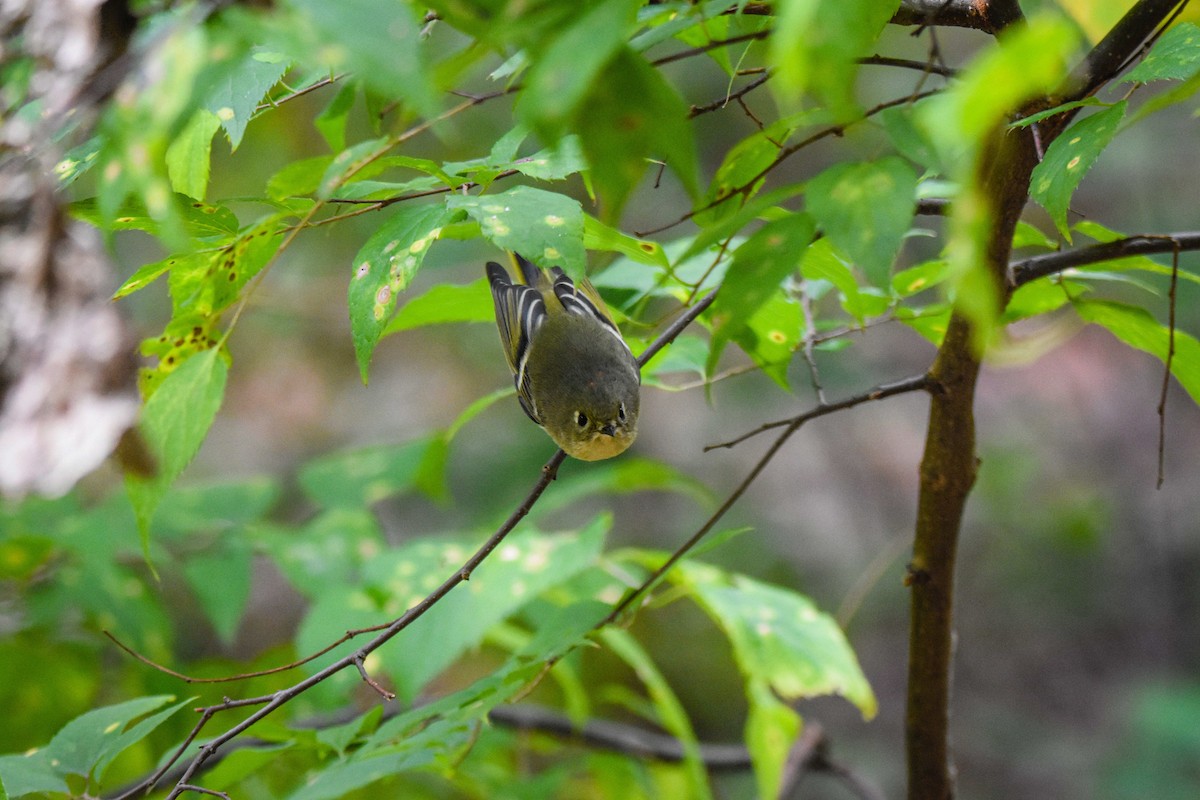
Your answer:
<point x="1137" y="328"/>
<point x="545" y="227"/>
<point x="1175" y="56"/>
<point x="780" y="637"/>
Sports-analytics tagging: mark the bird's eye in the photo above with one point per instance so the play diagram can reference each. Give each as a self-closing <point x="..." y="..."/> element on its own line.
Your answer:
<point x="621" y="412"/>
<point x="581" y="418"/>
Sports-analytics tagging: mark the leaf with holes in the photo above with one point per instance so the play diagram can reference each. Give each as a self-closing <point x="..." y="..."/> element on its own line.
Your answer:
<point x="383" y="268"/>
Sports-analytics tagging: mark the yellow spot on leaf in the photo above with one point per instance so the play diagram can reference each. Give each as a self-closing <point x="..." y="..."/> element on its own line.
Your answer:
<point x="225" y="114"/>
<point x="1073" y="163"/>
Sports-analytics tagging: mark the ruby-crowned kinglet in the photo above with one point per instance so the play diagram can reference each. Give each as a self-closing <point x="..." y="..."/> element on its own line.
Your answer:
<point x="575" y="375"/>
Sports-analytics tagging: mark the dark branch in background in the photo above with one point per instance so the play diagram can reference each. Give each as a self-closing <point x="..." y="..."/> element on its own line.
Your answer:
<point x="1030" y="269"/>
<point x="913" y="384"/>
<point x="811" y="751"/>
<point x="989" y="16"/>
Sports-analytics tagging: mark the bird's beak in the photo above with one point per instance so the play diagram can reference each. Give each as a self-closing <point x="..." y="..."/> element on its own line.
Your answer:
<point x="609" y="430"/>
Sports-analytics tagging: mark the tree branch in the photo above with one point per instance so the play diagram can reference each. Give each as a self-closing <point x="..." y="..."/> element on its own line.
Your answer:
<point x="989" y="16"/>
<point x="1034" y="267"/>
<point x="1111" y="55"/>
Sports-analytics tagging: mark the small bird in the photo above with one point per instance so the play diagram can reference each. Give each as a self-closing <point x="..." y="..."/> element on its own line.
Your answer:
<point x="575" y="376"/>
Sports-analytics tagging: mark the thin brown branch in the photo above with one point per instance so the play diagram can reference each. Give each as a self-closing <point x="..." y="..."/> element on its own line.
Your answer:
<point x="1166" y="381"/>
<point x="1034" y="267"/>
<point x="928" y="67"/>
<point x="913" y="384"/>
<point x="787" y="152"/>
<point x="715" y="105"/>
<point x="713" y="45"/>
<point x="792" y="426"/>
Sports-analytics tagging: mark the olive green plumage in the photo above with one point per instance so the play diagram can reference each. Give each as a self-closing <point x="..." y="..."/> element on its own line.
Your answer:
<point x="575" y="375"/>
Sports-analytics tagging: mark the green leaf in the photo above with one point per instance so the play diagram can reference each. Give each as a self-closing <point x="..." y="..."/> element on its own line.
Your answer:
<point x="865" y="209"/>
<point x="759" y="267"/>
<point x="237" y="88"/>
<point x="779" y="637"/>
<point x="326" y="552"/>
<point x="445" y="303"/>
<point x="386" y="53"/>
<point x="1068" y="159"/>
<point x="1027" y="235"/>
<point x="188" y="156"/>
<point x="382" y="270"/>
<point x="350" y="163"/>
<point x="545" y="227"/>
<point x="598" y="236"/>
<point x="631" y="115"/>
<point x="87" y="744"/>
<point x="917" y="279"/>
<point x="331" y="122"/>
<point x="523" y="567"/>
<point x="200" y="220"/>
<point x="562" y="73"/>
<point x="1137" y="328"/>
<point x="175" y="421"/>
<point x="298" y="178"/>
<point x="1031" y="60"/>
<point x="772" y="728"/>
<point x="1175" y="56"/>
<point x="220" y="577"/>
<point x="669" y="710"/>
<point x="900" y="124"/>
<point x="29" y="773"/>
<point x="815" y="44"/>
<point x="1040" y="297"/>
<point x="771" y="335"/>
<point x="362" y="477"/>
<point x="744" y="168"/>
<point x="553" y="163"/>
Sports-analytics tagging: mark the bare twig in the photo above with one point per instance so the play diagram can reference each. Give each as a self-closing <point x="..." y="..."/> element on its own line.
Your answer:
<point x="1029" y="269"/>
<point x="696" y="111"/>
<point x="1166" y="381"/>
<point x="913" y="384"/>
<point x="787" y="152"/>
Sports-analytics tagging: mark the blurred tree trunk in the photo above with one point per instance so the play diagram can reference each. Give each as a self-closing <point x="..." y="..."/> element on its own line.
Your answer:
<point x="67" y="394"/>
